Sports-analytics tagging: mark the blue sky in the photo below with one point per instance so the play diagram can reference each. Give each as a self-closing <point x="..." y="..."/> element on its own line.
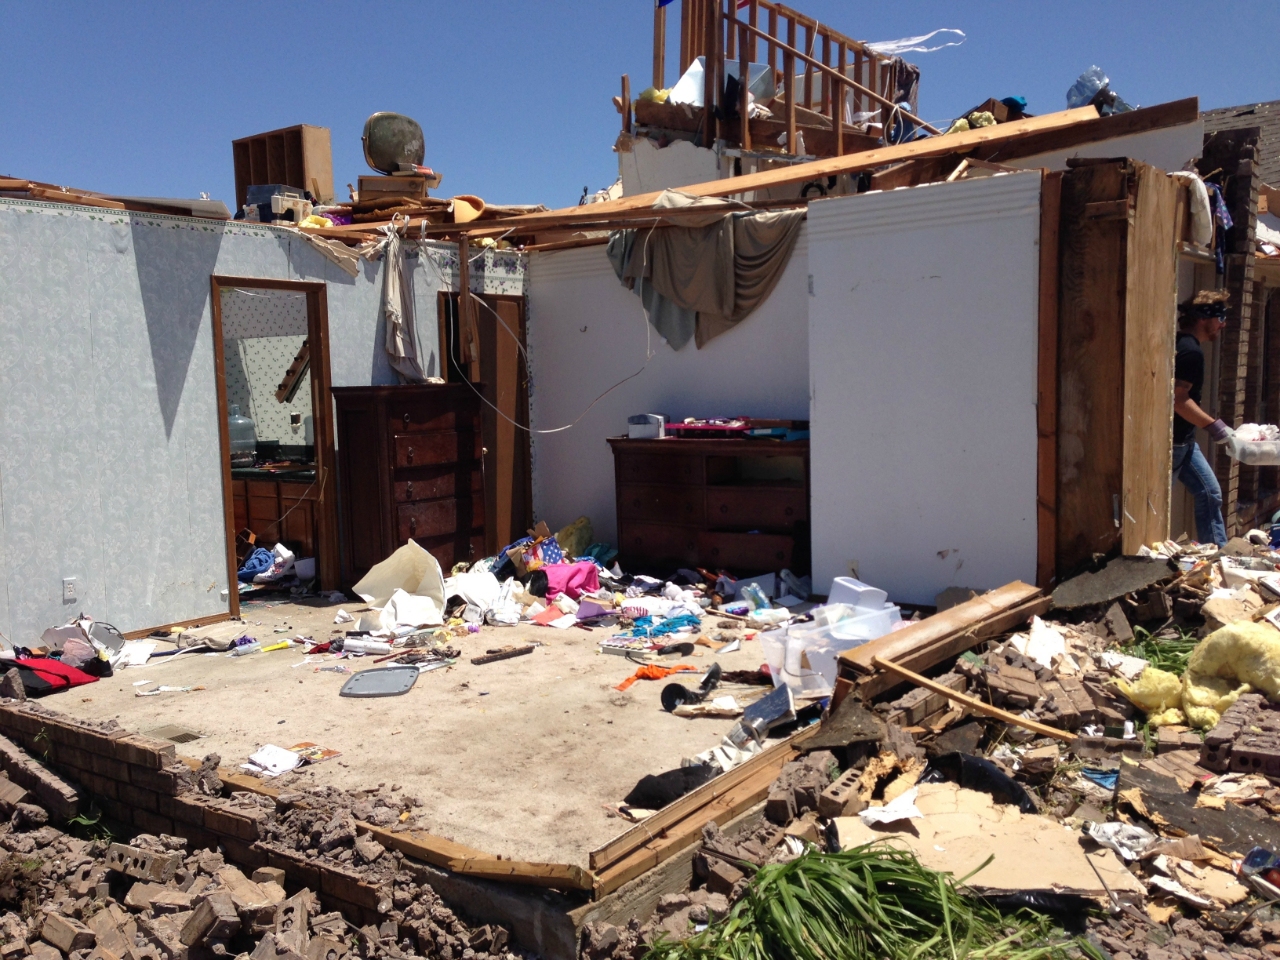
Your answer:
<point x="514" y="98"/>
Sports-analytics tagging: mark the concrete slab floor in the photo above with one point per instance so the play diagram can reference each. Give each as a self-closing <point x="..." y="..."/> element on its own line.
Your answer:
<point x="519" y="757"/>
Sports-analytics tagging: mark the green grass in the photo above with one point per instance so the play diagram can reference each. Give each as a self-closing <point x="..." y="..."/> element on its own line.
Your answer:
<point x="871" y="902"/>
<point x="1170" y="655"/>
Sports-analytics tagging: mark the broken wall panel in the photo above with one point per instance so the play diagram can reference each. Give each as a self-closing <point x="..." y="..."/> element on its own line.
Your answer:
<point x="587" y="333"/>
<point x="923" y="361"/>
<point x="110" y="468"/>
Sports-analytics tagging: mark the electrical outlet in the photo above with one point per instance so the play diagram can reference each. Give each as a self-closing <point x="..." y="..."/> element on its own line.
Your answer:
<point x="68" y="590"/>
<point x="853" y="569"/>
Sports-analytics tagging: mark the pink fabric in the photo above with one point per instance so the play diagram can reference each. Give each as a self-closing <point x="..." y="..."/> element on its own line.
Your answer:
<point x="575" y="579"/>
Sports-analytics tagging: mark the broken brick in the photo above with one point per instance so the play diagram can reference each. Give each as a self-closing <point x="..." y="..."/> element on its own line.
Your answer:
<point x="66" y="933"/>
<point x="142" y="864"/>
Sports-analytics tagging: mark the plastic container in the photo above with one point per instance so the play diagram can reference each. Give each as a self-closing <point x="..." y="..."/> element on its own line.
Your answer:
<point x="1255" y="453"/>
<point x="245" y="649"/>
<point x="804" y="656"/>
<point x="856" y="593"/>
<point x="244" y="438"/>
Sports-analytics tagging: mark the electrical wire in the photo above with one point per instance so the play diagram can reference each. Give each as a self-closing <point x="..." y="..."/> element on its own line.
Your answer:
<point x="649" y="352"/>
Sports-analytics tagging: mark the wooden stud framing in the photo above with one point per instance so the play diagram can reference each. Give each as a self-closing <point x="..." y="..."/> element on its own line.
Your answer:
<point x="659" y="45"/>
<point x="1047" y="384"/>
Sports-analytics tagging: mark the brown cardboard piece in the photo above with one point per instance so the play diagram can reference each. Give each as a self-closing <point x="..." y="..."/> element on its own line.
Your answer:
<point x="961" y="828"/>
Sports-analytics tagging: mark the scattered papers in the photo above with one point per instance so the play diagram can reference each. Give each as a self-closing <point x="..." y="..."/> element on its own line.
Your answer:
<point x="343" y="617"/>
<point x="719" y="707"/>
<point x="1126" y="839"/>
<point x="313" y="752"/>
<point x="135" y="653"/>
<point x="1174" y="888"/>
<point x="1041" y="644"/>
<point x="271" y="761"/>
<point x="903" y="808"/>
<point x="161" y="689"/>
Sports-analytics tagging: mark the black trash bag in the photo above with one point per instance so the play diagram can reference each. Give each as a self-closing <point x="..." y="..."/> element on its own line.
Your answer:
<point x="1068" y="909"/>
<point x="653" y="792"/>
<point x="977" y="773"/>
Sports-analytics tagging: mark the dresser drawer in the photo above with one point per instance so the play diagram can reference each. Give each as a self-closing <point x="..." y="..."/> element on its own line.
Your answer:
<point x="745" y="552"/>
<point x="438" y="446"/>
<point x="754" y="507"/>
<point x="642" y="544"/>
<point x="431" y="518"/>
<point x="658" y="468"/>
<point x="665" y="504"/>
<point x="417" y="418"/>
<point x="435" y="482"/>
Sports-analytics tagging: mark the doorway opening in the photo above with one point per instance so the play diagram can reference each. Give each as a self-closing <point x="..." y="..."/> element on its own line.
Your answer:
<point x="492" y="359"/>
<point x="275" y="409"/>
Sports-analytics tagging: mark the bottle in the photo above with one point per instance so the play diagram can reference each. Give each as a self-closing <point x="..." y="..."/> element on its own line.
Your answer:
<point x="244" y="438"/>
<point x="244" y="649"/>
<point x="361" y="645"/>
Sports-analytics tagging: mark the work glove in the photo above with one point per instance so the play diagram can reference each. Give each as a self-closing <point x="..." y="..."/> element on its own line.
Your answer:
<point x="1218" y="431"/>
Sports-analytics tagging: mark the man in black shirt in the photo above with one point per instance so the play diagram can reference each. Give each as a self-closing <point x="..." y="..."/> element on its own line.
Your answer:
<point x="1200" y="321"/>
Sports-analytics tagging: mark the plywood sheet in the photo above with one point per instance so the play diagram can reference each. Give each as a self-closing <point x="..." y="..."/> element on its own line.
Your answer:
<point x="961" y="828"/>
<point x="1091" y="366"/>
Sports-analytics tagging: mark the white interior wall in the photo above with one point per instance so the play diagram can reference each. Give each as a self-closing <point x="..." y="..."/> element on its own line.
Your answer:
<point x="110" y="466"/>
<point x="586" y="332"/>
<point x="922" y="363"/>
<point x="1168" y="148"/>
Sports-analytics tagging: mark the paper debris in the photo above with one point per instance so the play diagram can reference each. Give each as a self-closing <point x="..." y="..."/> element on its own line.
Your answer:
<point x="272" y="761"/>
<point x="903" y="808"/>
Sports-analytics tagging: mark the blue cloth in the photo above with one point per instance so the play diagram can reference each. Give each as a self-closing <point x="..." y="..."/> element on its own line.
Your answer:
<point x="257" y="562"/>
<point x="1191" y="467"/>
<point x="644" y="626"/>
<point x="1103" y="778"/>
<point x="1222" y="223"/>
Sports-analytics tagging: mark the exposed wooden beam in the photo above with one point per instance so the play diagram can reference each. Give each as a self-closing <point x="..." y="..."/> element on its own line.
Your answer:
<point x="966" y="141"/>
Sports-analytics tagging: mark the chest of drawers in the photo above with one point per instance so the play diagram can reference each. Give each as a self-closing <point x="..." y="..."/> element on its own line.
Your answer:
<point x="409" y="468"/>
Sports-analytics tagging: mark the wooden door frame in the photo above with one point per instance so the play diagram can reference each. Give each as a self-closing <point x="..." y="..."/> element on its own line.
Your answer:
<point x="448" y="313"/>
<point x="322" y="422"/>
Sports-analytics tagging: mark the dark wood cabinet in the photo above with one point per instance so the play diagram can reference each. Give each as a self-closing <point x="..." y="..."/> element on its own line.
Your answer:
<point x="738" y="505"/>
<point x="409" y="468"/>
<point x="277" y="510"/>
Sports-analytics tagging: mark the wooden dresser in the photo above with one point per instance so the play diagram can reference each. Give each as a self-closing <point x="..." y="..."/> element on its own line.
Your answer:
<point x="737" y="505"/>
<point x="409" y="468"/>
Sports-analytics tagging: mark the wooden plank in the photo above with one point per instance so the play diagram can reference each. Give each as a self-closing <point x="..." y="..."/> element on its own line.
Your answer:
<point x="659" y="46"/>
<point x="626" y="103"/>
<point x="558" y="876"/>
<point x="958" y="619"/>
<point x="947" y="648"/>
<point x="196" y="622"/>
<point x="1151" y="311"/>
<point x="744" y="91"/>
<point x="64" y="196"/>
<point x="1090" y="367"/>
<point x="733" y="803"/>
<point x="507" y="388"/>
<point x="972" y="703"/>
<point x="1047" y="384"/>
<point x="789" y="84"/>
<point x="837" y="111"/>
<point x="772" y="758"/>
<point x="1145" y="119"/>
<point x="804" y="172"/>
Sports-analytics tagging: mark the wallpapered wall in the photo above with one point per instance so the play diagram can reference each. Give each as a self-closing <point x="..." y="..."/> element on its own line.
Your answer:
<point x="262" y="332"/>
<point x="110" y="464"/>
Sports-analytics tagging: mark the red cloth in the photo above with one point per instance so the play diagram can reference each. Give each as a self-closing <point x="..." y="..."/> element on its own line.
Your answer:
<point x="575" y="579"/>
<point x="57" y="674"/>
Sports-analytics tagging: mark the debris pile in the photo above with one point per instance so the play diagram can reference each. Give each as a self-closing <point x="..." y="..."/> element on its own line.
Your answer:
<point x="65" y="896"/>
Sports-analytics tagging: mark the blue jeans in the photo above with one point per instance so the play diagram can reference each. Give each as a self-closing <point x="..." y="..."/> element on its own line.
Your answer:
<point x="1190" y="466"/>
